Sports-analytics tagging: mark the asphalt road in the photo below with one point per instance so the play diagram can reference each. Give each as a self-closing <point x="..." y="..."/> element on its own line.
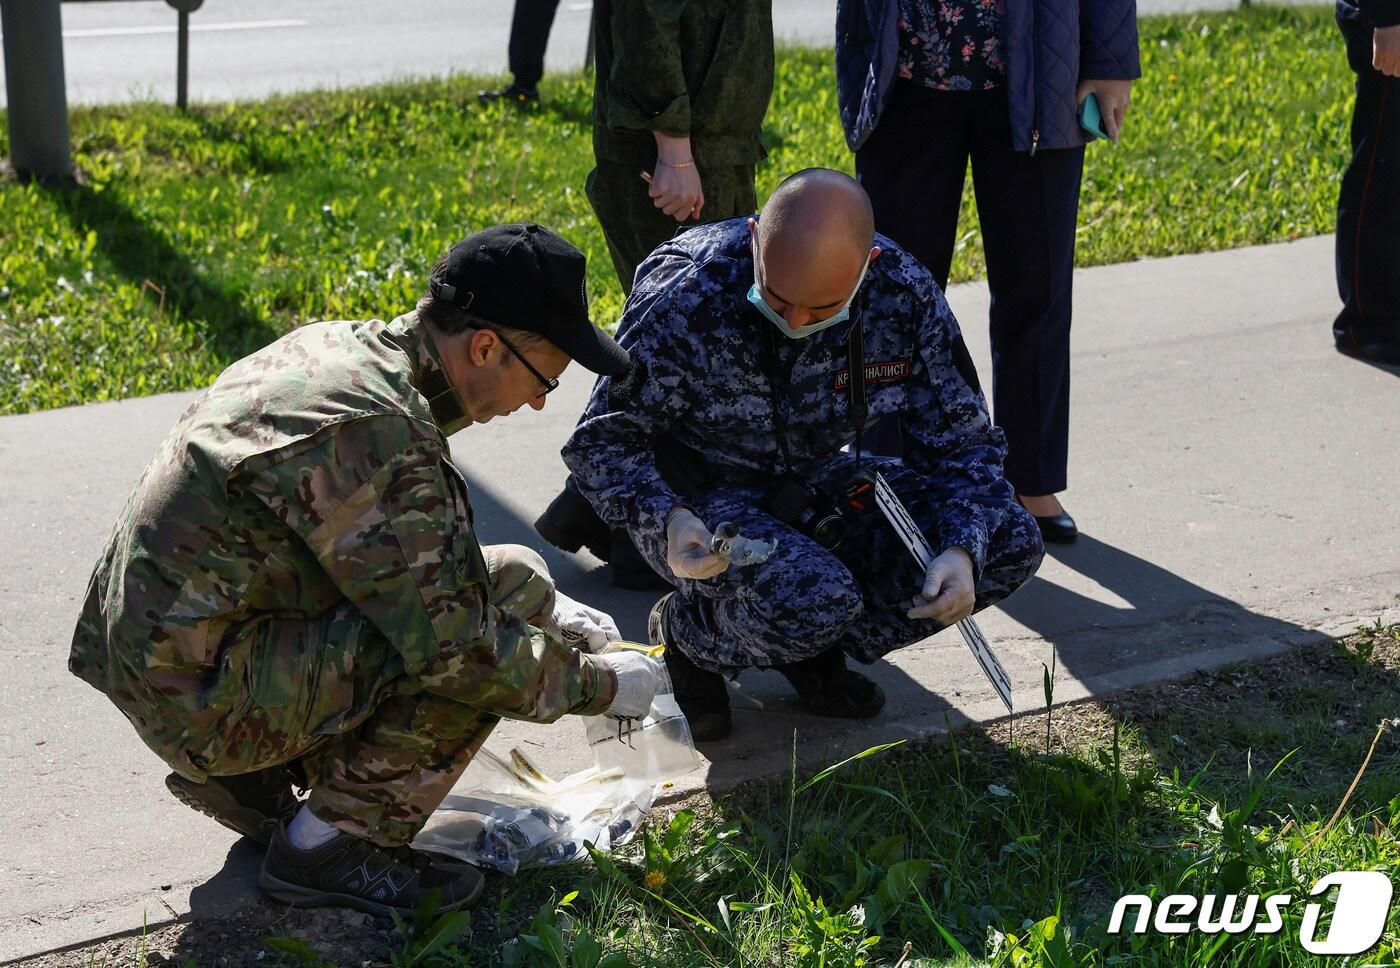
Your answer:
<point x="242" y="49"/>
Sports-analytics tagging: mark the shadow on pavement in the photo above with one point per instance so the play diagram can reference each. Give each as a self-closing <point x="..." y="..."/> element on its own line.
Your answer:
<point x="1392" y="368"/>
<point x="1165" y="615"/>
<point x="230" y="888"/>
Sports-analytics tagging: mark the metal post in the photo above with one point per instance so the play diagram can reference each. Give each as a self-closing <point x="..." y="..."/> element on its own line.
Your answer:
<point x="183" y="9"/>
<point x="182" y="62"/>
<point x="588" y="48"/>
<point x="38" y="102"/>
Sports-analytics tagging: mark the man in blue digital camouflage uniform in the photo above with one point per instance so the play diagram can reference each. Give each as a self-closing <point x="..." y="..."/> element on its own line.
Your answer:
<point x="744" y="337"/>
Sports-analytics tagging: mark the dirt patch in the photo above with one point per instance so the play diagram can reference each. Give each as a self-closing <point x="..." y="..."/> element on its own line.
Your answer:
<point x="339" y="936"/>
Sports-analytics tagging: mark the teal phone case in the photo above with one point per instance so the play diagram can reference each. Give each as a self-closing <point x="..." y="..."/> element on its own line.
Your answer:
<point x="1091" y="118"/>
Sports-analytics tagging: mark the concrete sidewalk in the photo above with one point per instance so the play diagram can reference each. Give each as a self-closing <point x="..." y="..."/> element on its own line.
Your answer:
<point x="1231" y="472"/>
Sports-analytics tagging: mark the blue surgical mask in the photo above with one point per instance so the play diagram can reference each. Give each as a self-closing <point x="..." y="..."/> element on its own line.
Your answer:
<point x="800" y="332"/>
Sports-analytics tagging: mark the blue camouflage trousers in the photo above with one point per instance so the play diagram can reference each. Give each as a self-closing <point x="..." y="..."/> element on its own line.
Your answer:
<point x="806" y="599"/>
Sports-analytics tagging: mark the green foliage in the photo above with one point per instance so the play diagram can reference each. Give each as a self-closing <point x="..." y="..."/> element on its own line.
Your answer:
<point x="301" y="950"/>
<point x="554" y="942"/>
<point x="430" y="939"/>
<point x="198" y="237"/>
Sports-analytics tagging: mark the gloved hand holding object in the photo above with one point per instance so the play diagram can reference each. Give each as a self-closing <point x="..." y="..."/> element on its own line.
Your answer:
<point x="578" y="624"/>
<point x="949" y="593"/>
<point x="688" y="547"/>
<point x="637" y="681"/>
<point x="736" y="549"/>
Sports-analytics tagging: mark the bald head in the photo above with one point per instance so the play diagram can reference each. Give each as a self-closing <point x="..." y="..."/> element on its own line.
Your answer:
<point x="818" y="207"/>
<point x="814" y="239"/>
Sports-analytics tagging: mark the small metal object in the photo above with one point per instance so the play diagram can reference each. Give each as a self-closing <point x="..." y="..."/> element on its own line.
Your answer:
<point x="734" y="548"/>
<point x="626" y="726"/>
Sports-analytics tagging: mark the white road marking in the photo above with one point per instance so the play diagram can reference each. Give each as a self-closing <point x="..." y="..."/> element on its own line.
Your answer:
<point x="580" y="6"/>
<point x="172" y="28"/>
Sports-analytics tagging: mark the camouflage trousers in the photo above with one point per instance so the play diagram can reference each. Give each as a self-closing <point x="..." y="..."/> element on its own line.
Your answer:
<point x="806" y="599"/>
<point x="632" y="224"/>
<point x="380" y="770"/>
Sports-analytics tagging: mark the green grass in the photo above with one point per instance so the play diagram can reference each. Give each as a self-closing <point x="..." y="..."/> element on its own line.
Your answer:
<point x="988" y="851"/>
<point x="199" y="237"/>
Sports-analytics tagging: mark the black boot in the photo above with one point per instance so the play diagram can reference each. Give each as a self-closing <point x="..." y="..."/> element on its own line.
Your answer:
<point x="826" y="687"/>
<point x="570" y="523"/>
<point x="701" y="695"/>
<point x="516" y="95"/>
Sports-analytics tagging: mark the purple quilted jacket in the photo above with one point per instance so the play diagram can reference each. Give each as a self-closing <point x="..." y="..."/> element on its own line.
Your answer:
<point x="1050" y="45"/>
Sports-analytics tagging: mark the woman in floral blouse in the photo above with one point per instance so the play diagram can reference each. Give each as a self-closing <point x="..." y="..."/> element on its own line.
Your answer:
<point x="926" y="85"/>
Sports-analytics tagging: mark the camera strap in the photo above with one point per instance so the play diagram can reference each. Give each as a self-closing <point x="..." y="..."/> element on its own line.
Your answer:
<point x="858" y="405"/>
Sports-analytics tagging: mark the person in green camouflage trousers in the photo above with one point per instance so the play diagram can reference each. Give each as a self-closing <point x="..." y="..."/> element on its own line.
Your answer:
<point x="296" y="593"/>
<point x="680" y="93"/>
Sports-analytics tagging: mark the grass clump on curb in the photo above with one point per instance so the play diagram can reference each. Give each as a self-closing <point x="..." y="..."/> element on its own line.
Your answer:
<point x="198" y="237"/>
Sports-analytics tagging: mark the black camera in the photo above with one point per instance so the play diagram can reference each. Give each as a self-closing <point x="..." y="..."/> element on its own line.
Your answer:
<point x="808" y="510"/>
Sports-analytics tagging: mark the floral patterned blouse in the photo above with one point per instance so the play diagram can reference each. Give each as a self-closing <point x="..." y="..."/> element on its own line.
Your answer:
<point x="952" y="45"/>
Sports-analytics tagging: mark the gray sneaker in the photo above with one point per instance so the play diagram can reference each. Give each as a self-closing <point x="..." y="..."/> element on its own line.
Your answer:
<point x="348" y="871"/>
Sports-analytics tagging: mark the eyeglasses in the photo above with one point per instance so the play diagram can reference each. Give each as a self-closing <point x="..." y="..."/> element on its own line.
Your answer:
<point x="548" y="383"/>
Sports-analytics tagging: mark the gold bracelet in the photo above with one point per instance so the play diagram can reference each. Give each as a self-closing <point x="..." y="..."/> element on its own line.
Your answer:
<point x="683" y="164"/>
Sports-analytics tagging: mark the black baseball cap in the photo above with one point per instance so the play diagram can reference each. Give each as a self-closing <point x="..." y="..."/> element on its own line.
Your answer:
<point x="526" y="277"/>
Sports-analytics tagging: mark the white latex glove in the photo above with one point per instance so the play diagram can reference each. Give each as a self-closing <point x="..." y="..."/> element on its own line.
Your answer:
<point x="688" y="548"/>
<point x="578" y="624"/>
<point x="949" y="593"/>
<point x="637" y="680"/>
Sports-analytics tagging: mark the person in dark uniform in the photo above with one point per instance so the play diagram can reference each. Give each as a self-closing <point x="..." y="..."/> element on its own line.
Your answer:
<point x="760" y="349"/>
<point x="529" y="36"/>
<point x="1368" y="205"/>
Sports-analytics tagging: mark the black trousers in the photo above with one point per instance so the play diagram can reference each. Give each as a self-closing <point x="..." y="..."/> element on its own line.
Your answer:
<point x="913" y="167"/>
<point x="1368" y="205"/>
<point x="529" y="35"/>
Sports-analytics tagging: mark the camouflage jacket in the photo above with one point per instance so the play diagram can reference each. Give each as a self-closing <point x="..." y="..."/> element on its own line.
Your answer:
<point x="312" y="473"/>
<point x="682" y="67"/>
<point x="699" y="379"/>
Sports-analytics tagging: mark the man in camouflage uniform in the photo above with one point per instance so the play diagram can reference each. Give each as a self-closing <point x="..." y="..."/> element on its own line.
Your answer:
<point x="741" y="336"/>
<point x="296" y="592"/>
<point x="681" y="91"/>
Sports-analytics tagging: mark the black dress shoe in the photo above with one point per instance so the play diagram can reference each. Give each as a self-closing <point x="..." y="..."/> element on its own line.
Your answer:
<point x="701" y="695"/>
<point x="524" y="97"/>
<point x="1058" y="529"/>
<point x="827" y="688"/>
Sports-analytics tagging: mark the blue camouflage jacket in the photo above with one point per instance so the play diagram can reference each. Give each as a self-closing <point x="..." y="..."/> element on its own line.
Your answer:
<point x="699" y="379"/>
